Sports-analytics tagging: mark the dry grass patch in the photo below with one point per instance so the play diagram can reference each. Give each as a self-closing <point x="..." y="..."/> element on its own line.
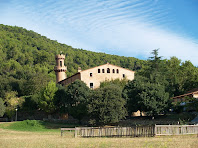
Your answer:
<point x="17" y="139"/>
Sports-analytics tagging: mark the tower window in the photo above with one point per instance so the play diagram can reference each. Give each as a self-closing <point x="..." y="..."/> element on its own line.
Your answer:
<point x="113" y="70"/>
<point x="91" y="74"/>
<point x="91" y="85"/>
<point x="61" y="64"/>
<point x="103" y="71"/>
<point x="108" y="70"/>
<point x="117" y="70"/>
<point x="123" y="75"/>
<point x="98" y="70"/>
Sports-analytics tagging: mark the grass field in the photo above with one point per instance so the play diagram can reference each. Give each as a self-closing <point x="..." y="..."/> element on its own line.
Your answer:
<point x="10" y="138"/>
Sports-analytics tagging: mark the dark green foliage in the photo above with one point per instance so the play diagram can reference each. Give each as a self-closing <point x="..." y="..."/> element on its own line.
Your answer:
<point x="2" y="107"/>
<point x="107" y="105"/>
<point x="148" y="91"/>
<point x="61" y="99"/>
<point x="131" y="93"/>
<point x="78" y="95"/>
<point x="191" y="104"/>
<point x="146" y="96"/>
<point x="30" y="103"/>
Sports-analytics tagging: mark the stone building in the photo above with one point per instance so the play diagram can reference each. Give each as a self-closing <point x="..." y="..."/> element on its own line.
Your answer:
<point x="92" y="76"/>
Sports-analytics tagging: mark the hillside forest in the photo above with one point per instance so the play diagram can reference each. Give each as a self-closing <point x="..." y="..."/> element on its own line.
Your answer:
<point x="27" y="79"/>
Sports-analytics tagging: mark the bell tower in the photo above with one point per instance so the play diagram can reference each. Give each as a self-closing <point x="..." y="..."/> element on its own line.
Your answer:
<point x="60" y="68"/>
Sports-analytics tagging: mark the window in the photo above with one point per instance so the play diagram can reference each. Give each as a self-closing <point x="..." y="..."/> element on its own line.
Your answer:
<point x="103" y="71"/>
<point x="117" y="70"/>
<point x="108" y="70"/>
<point x="98" y="70"/>
<point x="91" y="85"/>
<point x="123" y="75"/>
<point x="91" y="74"/>
<point x="113" y="70"/>
<point x="61" y="64"/>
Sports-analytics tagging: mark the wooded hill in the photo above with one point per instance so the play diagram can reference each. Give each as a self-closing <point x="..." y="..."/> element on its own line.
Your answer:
<point x="27" y="79"/>
<point x="27" y="60"/>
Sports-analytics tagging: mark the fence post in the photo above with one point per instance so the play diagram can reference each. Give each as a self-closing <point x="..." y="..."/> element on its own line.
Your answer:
<point x="75" y="132"/>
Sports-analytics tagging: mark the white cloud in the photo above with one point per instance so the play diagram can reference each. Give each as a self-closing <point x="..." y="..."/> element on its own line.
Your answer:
<point x="129" y="28"/>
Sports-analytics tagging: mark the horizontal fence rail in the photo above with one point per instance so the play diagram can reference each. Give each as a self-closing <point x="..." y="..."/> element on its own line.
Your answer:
<point x="136" y="131"/>
<point x="176" y="129"/>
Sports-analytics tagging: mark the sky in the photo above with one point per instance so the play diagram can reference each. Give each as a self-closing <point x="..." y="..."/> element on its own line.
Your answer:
<point x="131" y="28"/>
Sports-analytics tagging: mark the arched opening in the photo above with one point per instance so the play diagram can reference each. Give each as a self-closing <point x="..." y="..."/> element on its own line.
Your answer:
<point x="108" y="70"/>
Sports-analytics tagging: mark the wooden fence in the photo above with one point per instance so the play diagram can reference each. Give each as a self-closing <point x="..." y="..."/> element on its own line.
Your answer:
<point x="136" y="131"/>
<point x="176" y="129"/>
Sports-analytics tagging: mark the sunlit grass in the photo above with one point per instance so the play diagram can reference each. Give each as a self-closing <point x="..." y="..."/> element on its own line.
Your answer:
<point x="41" y="135"/>
<point x="10" y="138"/>
<point x="27" y="125"/>
<point x="34" y="126"/>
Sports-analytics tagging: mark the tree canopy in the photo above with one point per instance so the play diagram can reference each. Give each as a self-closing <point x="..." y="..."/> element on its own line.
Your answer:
<point x="46" y="100"/>
<point x="77" y="99"/>
<point x="107" y="105"/>
<point x="2" y="107"/>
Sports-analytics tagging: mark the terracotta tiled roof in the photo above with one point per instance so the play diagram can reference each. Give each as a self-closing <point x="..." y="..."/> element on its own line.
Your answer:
<point x="191" y="92"/>
<point x="108" y="64"/>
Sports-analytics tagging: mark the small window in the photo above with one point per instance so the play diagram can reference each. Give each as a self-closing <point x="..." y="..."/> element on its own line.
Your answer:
<point x="103" y="71"/>
<point x="113" y="70"/>
<point x="117" y="70"/>
<point x="123" y="75"/>
<point x="91" y="74"/>
<point x="108" y="70"/>
<point x="98" y="70"/>
<point x="61" y="64"/>
<point x="91" y="85"/>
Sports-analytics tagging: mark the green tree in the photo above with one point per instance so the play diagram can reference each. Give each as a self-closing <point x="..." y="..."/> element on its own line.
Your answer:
<point x="2" y="107"/>
<point x="61" y="99"/>
<point x="46" y="100"/>
<point x="131" y="93"/>
<point x="78" y="95"/>
<point x="146" y="96"/>
<point x="106" y="105"/>
<point x="12" y="102"/>
<point x="148" y="92"/>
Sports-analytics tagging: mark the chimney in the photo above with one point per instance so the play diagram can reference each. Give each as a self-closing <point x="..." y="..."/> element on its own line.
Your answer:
<point x="79" y="69"/>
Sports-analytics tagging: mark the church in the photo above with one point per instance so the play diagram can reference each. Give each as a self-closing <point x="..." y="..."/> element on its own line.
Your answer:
<point x="92" y="76"/>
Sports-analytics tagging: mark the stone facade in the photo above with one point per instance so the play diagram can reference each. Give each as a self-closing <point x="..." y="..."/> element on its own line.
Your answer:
<point x="94" y="76"/>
